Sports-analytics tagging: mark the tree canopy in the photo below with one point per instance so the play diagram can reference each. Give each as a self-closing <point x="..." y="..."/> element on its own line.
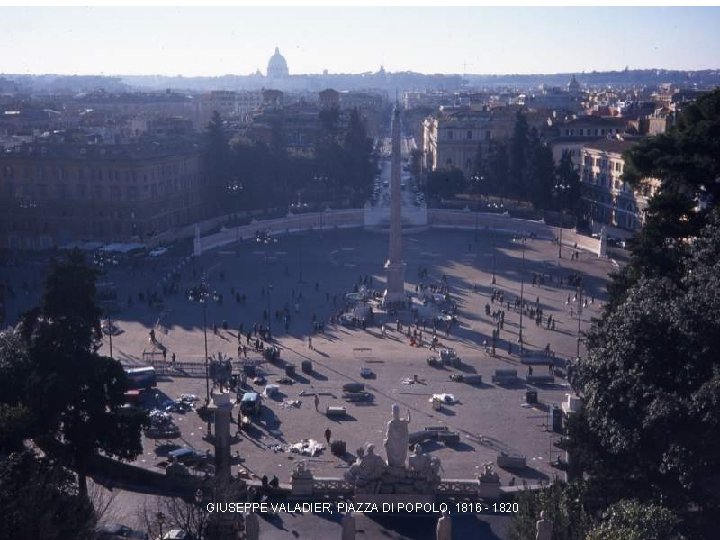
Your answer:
<point x="62" y="386"/>
<point x="651" y="387"/>
<point x="686" y="160"/>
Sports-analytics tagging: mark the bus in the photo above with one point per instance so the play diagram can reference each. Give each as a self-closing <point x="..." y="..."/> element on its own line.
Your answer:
<point x="141" y="378"/>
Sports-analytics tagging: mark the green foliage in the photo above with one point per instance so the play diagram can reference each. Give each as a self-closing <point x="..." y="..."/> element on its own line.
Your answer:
<point x="562" y="504"/>
<point x="539" y="178"/>
<point x="218" y="163"/>
<point x="16" y="423"/>
<point x="249" y="176"/>
<point x="687" y="161"/>
<point x="445" y="184"/>
<point x="518" y="157"/>
<point x="651" y="386"/>
<point x="68" y="305"/>
<point x="632" y="520"/>
<point x="39" y="500"/>
<point x="73" y="393"/>
<point x="568" y="196"/>
<point x="497" y="169"/>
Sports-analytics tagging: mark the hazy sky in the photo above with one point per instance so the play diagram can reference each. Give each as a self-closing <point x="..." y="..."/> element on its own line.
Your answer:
<point x="217" y="41"/>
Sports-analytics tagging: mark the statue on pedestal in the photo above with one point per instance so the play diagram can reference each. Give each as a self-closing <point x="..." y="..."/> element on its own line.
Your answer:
<point x="252" y="526"/>
<point x="367" y="470"/>
<point x="397" y="438"/>
<point x="443" y="530"/>
<point x="348" y="526"/>
<point x="420" y="462"/>
<point x="543" y="528"/>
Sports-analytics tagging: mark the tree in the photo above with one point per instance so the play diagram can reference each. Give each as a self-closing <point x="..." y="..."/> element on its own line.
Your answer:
<point x="75" y="395"/>
<point x="445" y="183"/>
<point x="651" y="387"/>
<point x="218" y="162"/>
<point x="540" y="174"/>
<point x="686" y="160"/>
<point x="39" y="499"/>
<point x="518" y="157"/>
<point x="567" y="188"/>
<point x="497" y="169"/>
<point x="360" y="167"/>
<point x="632" y="520"/>
<point x="562" y="504"/>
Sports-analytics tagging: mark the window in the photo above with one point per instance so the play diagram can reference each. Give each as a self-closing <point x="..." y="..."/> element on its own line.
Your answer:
<point x="469" y="134"/>
<point x="451" y="135"/>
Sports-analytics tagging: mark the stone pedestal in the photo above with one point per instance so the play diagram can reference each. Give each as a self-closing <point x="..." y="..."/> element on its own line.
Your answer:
<point x="395" y="293"/>
<point x="301" y="481"/>
<point x="489" y="482"/>
<point x="221" y="406"/>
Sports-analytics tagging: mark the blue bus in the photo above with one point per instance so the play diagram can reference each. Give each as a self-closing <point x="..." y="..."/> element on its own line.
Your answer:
<point x="141" y="378"/>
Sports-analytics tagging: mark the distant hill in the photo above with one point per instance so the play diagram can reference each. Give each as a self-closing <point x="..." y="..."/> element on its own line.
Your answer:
<point x="386" y="81"/>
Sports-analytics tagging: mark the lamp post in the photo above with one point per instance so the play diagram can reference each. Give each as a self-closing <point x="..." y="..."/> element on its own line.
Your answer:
<point x="161" y="521"/>
<point x="200" y="293"/>
<point x="494" y="250"/>
<point x="522" y="297"/>
<point x="109" y="325"/>
<point x="579" y="312"/>
<point x="560" y="189"/>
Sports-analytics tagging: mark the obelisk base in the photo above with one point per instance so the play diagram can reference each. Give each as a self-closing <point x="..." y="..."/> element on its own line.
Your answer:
<point x="395" y="293"/>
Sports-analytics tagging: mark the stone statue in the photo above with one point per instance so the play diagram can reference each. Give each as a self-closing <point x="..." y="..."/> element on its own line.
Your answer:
<point x="420" y="462"/>
<point x="443" y="530"/>
<point x="397" y="438"/>
<point x="371" y="465"/>
<point x="365" y="473"/>
<point x="543" y="528"/>
<point x="252" y="526"/>
<point x="348" y="526"/>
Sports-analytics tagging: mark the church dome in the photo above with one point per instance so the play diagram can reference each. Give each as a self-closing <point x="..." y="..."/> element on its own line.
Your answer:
<point x="277" y="66"/>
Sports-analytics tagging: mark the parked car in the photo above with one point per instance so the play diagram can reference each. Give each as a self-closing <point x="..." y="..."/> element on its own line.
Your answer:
<point x="366" y="373"/>
<point x="250" y="403"/>
<point x="116" y="531"/>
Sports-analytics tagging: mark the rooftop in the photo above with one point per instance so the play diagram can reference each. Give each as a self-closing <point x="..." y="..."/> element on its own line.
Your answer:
<point x="612" y="146"/>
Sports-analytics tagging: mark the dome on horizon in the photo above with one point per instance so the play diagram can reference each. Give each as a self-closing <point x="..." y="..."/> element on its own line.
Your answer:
<point x="277" y="66"/>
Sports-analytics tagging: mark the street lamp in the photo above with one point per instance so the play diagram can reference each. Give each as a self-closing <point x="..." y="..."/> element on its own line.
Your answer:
<point x="161" y="520"/>
<point x="522" y="297"/>
<point x="579" y="312"/>
<point x="494" y="254"/>
<point x="201" y="293"/>
<point x="110" y="333"/>
<point x="560" y="189"/>
<point x="269" y="291"/>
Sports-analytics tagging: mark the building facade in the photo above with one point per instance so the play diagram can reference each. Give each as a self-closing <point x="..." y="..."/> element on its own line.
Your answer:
<point x="451" y="137"/>
<point x="56" y="192"/>
<point x="606" y="199"/>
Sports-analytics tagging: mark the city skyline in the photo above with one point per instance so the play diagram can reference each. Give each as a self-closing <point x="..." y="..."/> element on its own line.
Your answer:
<point x="219" y="41"/>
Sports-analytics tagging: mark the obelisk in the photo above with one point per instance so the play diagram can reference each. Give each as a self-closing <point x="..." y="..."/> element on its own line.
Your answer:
<point x="395" y="267"/>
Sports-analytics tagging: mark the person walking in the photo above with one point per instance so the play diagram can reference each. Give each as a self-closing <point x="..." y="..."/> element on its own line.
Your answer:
<point x="328" y="434"/>
<point x="317" y="403"/>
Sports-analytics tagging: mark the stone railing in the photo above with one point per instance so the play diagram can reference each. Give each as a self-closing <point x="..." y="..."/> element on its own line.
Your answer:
<point x="374" y="217"/>
<point x="330" y="219"/>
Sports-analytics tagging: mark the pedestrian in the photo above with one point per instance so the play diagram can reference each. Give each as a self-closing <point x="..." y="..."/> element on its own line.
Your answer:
<point x="173" y="358"/>
<point x="328" y="434"/>
<point x="317" y="403"/>
<point x="310" y="346"/>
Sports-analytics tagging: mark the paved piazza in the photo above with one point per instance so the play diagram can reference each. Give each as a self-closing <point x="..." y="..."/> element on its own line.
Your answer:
<point x="489" y="418"/>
